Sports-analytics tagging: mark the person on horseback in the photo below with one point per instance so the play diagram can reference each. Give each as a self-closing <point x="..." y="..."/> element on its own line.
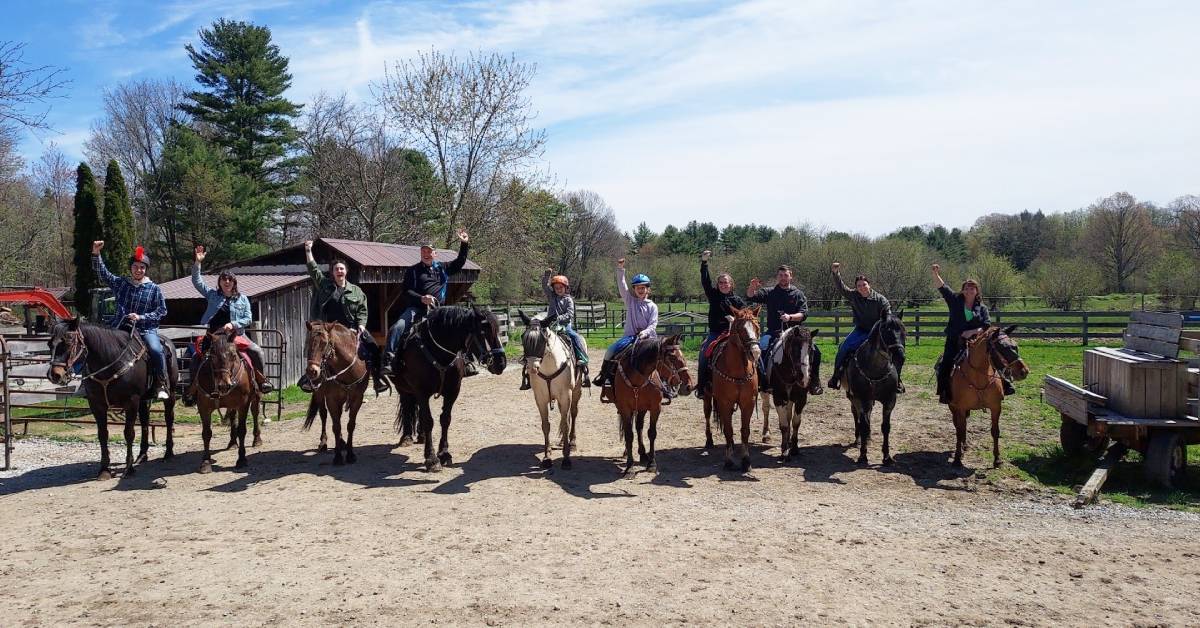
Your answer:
<point x="968" y="316"/>
<point x="869" y="307"/>
<point x="641" y="319"/>
<point x="140" y="305"/>
<point x="785" y="304"/>
<point x="721" y="300"/>
<point x="424" y="288"/>
<point x="560" y="308"/>
<point x="229" y="310"/>
<point x="337" y="300"/>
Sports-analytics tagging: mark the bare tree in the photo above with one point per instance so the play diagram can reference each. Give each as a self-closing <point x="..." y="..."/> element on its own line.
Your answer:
<point x="54" y="179"/>
<point x="23" y="236"/>
<point x="1186" y="210"/>
<point x="1120" y="237"/>
<point x="25" y="88"/>
<point x="586" y="231"/>
<point x="473" y="119"/>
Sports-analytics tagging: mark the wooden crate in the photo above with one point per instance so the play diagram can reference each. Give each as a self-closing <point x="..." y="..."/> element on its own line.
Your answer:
<point x="1069" y="399"/>
<point x="1137" y="384"/>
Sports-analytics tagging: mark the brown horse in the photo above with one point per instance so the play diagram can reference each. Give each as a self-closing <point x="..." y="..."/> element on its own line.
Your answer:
<point x="790" y="375"/>
<point x="339" y="379"/>
<point x="975" y="384"/>
<point x="225" y="381"/>
<point x="735" y="382"/>
<point x="636" y="390"/>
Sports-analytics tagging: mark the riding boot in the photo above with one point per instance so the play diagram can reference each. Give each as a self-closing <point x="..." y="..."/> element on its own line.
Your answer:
<point x="469" y="368"/>
<point x="264" y="384"/>
<point x="587" y="381"/>
<point x="189" y="392"/>
<point x="835" y="381"/>
<point x="524" y="380"/>
<point x="701" y="382"/>
<point x="814" y="380"/>
<point x="380" y="383"/>
<point x="1008" y="387"/>
<point x="606" y="372"/>
<point x="305" y="384"/>
<point x="388" y="358"/>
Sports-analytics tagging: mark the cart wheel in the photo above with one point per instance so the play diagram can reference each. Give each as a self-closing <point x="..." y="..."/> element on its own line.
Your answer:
<point x="1166" y="458"/>
<point x="1072" y="435"/>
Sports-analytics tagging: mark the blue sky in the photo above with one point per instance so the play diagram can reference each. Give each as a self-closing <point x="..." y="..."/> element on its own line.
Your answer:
<point x="853" y="115"/>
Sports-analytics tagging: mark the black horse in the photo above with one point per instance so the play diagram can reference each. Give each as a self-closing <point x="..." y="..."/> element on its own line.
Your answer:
<point x="116" y="375"/>
<point x="871" y="377"/>
<point x="431" y="363"/>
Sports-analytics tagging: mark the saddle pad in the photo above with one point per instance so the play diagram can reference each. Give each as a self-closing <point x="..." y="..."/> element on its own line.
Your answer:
<point x="708" y="351"/>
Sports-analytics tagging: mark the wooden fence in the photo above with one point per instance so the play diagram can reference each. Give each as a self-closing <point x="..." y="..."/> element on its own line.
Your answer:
<point x="690" y="319"/>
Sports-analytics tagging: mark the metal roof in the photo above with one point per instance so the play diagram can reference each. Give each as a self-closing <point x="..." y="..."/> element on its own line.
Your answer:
<point x="378" y="254"/>
<point x="249" y="285"/>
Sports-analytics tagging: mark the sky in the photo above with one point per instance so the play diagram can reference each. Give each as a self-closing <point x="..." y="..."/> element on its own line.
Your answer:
<point x="859" y="116"/>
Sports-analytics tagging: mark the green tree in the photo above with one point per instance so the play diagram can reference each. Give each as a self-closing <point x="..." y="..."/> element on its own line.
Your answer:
<point x="118" y="218"/>
<point x="642" y="236"/>
<point x="198" y="206"/>
<point x="244" y="76"/>
<point x="1063" y="281"/>
<point x="997" y="277"/>
<point x="87" y="230"/>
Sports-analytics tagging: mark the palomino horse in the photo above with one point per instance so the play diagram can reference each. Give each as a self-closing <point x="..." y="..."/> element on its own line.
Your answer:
<point x="225" y="381"/>
<point x="636" y="390"/>
<point x="339" y="380"/>
<point x="554" y="378"/>
<point x="116" y="375"/>
<point x="870" y="376"/>
<point x="790" y="375"/>
<point x="430" y="363"/>
<point x="734" y="382"/>
<point x="975" y="383"/>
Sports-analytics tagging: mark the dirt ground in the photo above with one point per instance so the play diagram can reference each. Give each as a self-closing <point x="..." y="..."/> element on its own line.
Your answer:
<point x="495" y="540"/>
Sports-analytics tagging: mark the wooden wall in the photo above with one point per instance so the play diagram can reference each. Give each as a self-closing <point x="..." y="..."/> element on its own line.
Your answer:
<point x="287" y="311"/>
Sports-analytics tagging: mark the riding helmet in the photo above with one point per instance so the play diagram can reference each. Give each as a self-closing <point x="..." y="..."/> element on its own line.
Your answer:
<point x="139" y="257"/>
<point x="640" y="279"/>
<point x="561" y="279"/>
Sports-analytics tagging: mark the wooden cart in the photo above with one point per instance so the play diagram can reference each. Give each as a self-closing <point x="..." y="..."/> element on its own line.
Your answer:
<point x="1139" y="397"/>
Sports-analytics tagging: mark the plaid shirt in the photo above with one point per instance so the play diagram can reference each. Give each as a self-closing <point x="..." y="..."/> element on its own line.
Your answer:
<point x="144" y="299"/>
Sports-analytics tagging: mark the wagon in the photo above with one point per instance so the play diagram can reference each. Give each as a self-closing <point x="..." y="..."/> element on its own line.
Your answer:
<point x="1139" y="397"/>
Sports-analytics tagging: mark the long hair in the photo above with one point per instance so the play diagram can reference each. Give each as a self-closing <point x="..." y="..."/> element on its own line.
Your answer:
<point x="978" y="292"/>
<point x="225" y="274"/>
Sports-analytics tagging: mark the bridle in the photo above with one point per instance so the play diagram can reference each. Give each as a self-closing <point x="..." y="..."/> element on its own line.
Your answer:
<point x="327" y="353"/>
<point x="805" y="348"/>
<point x="545" y="334"/>
<point x="235" y="373"/>
<point x="887" y="347"/>
<point x="77" y="350"/>
<point x="747" y="350"/>
<point x="660" y="363"/>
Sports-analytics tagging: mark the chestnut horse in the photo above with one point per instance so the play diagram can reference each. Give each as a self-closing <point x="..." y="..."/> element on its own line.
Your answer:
<point x="636" y="390"/>
<point x="225" y="381"/>
<point x="790" y="375"/>
<point x="975" y="383"/>
<point x="734" y="382"/>
<point x="339" y="379"/>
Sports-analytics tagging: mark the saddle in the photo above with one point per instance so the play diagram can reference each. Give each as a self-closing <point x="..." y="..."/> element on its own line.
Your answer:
<point x="708" y="351"/>
<point x="241" y="342"/>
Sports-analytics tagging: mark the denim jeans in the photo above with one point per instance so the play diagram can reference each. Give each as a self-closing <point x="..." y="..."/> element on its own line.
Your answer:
<point x="400" y="327"/>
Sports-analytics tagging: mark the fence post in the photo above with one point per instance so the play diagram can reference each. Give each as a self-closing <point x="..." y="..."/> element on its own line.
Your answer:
<point x="917" y="325"/>
<point x="1085" y="328"/>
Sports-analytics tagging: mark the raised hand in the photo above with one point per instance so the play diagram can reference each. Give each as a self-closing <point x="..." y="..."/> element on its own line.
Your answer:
<point x="837" y="267"/>
<point x="937" y="269"/>
<point x="200" y="253"/>
<point x="462" y="236"/>
<point x="704" y="257"/>
<point x="308" y="246"/>
<point x="96" y="246"/>
<point x="621" y="263"/>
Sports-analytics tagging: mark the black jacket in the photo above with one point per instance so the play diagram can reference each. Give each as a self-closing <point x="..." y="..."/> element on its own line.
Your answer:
<point x="718" y="304"/>
<point x="958" y="322"/>
<point x="421" y="280"/>
<point x="780" y="301"/>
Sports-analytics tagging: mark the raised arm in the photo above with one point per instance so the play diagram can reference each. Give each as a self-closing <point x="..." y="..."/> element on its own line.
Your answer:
<point x="755" y="293"/>
<point x="940" y="284"/>
<point x="705" y="279"/>
<point x="837" y="280"/>
<point x="314" y="271"/>
<point x="622" y="287"/>
<point x="463" y="246"/>
<point x="100" y="269"/>
<point x="546" y="289"/>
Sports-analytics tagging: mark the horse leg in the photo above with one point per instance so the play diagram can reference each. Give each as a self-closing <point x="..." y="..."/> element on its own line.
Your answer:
<point x="408" y="419"/>
<point x="206" y="435"/>
<point x="352" y="418"/>
<point x="886" y="428"/>
<point x="449" y="396"/>
<point x="101" y="417"/>
<point x="241" y="437"/>
<point x="864" y="430"/>
<point x="627" y="432"/>
<point x="766" y="412"/>
<point x="544" y="412"/>
<point x="566" y="426"/>
<point x="169" y="416"/>
<point x="725" y="415"/>
<point x="231" y="418"/>
<point x="786" y="442"/>
<point x="652" y="432"/>
<point x="425" y="435"/>
<point x="144" y="420"/>
<point x="960" y="435"/>
<point x="323" y="444"/>
<point x="130" y="413"/>
<point x="747" y="416"/>
<point x="708" y="409"/>
<point x="339" y="444"/>
<point x="255" y="407"/>
<point x="641" y="424"/>
<point x="796" y="407"/>
<point x="996" y="462"/>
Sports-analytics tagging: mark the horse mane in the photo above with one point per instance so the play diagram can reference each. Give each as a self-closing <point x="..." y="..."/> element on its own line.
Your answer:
<point x="645" y="352"/>
<point x="103" y="340"/>
<point x="780" y="351"/>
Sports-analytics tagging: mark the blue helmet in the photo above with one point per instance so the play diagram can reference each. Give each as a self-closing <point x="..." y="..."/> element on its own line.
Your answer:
<point x="640" y="279"/>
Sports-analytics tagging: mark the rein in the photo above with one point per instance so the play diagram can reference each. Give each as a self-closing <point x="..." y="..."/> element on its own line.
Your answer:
<point x="329" y="352"/>
<point x="236" y="374"/>
<point x="863" y="371"/>
<point x="660" y="361"/>
<point x="77" y="348"/>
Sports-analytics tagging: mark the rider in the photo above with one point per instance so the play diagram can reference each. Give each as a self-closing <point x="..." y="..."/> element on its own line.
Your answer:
<point x="561" y="309"/>
<point x="869" y="307"/>
<point x="641" y="317"/>
<point x="965" y="321"/>
<point x="424" y="288"/>
<point x="785" y="304"/>
<point x="337" y="300"/>
<point x="721" y="301"/>
<point x="139" y="301"/>
<point x="227" y="309"/>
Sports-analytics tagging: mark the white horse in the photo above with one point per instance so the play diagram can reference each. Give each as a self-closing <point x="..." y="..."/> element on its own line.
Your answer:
<point x="555" y="378"/>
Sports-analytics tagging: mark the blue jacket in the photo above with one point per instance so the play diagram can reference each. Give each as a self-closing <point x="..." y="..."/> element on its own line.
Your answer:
<point x="239" y="309"/>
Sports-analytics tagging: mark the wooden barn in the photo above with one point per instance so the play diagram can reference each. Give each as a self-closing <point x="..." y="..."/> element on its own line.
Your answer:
<point x="279" y="289"/>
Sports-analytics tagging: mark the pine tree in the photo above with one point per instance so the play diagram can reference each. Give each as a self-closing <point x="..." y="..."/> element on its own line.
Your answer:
<point x="118" y="218"/>
<point x="87" y="230"/>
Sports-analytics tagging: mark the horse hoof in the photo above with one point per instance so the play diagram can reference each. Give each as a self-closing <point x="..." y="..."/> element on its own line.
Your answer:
<point x="169" y="454"/>
<point x="546" y="464"/>
<point x="338" y="460"/>
<point x="745" y="464"/>
<point x="766" y="438"/>
<point x="322" y="448"/>
<point x="566" y="463"/>
<point x="445" y="458"/>
<point x="887" y="462"/>
<point x="351" y="458"/>
<point x="420" y="440"/>
<point x="630" y="473"/>
<point x="104" y="474"/>
<point x="405" y="441"/>
<point x="997" y="463"/>
<point x="862" y="461"/>
<point x="957" y="464"/>
<point x="232" y="444"/>
<point x="642" y="458"/>
<point x="257" y="442"/>
<point x="241" y="464"/>
<point x="206" y="467"/>
<point x="130" y="472"/>
<point x="708" y="444"/>
<point x="432" y="465"/>
<point x="652" y="467"/>
<point x="729" y="466"/>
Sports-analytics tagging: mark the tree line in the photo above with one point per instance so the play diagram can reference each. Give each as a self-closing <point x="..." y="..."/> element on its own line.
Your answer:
<point x="225" y="159"/>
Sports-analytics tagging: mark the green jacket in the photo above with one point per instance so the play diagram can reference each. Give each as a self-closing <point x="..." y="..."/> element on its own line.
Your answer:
<point x="353" y="298"/>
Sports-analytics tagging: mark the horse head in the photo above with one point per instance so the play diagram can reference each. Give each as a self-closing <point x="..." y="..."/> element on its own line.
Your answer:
<point x="672" y="366"/>
<point x="743" y="325"/>
<point x="66" y="348"/>
<point x="486" y="340"/>
<point x="224" y="362"/>
<point x="797" y="350"/>
<point x="533" y="340"/>
<point x="319" y="347"/>
<point x="1005" y="356"/>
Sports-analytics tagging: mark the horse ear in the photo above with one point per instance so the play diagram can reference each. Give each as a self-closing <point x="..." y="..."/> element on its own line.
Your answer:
<point x="311" y="325"/>
<point x="815" y="332"/>
<point x="900" y="314"/>
<point x="674" y="339"/>
<point x="729" y="318"/>
<point x="1008" y="330"/>
<point x="524" y="318"/>
<point x="755" y="310"/>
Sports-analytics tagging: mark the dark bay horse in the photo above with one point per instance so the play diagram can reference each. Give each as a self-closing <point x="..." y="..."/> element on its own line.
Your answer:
<point x="116" y="375"/>
<point x="871" y="377"/>
<point x="430" y="363"/>
<point x="636" y="390"/>
<point x="339" y="379"/>
<point x="790" y="375"/>
<point x="975" y="383"/>
<point x="734" y="382"/>
<point x="225" y="381"/>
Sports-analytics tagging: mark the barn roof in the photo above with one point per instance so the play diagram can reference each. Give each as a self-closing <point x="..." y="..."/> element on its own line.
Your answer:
<point x="249" y="285"/>
<point x="379" y="254"/>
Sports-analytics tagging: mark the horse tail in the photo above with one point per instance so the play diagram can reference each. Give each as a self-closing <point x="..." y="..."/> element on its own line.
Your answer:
<point x="311" y="415"/>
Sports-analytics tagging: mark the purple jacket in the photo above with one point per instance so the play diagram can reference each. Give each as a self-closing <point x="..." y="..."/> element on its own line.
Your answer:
<point x="641" y="316"/>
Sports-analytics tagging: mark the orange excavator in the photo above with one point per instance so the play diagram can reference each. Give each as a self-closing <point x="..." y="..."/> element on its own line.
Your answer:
<point x="36" y="297"/>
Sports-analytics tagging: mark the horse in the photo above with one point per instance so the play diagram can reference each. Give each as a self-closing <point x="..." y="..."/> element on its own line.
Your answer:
<point x="636" y="390"/>
<point x="225" y="381"/>
<point x="975" y="383"/>
<point x="339" y="380"/>
<point x="869" y="377"/>
<point x="790" y="375"/>
<point x="116" y="375"/>
<point x="550" y="360"/>
<point x="430" y="363"/>
<point x="734" y="382"/>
